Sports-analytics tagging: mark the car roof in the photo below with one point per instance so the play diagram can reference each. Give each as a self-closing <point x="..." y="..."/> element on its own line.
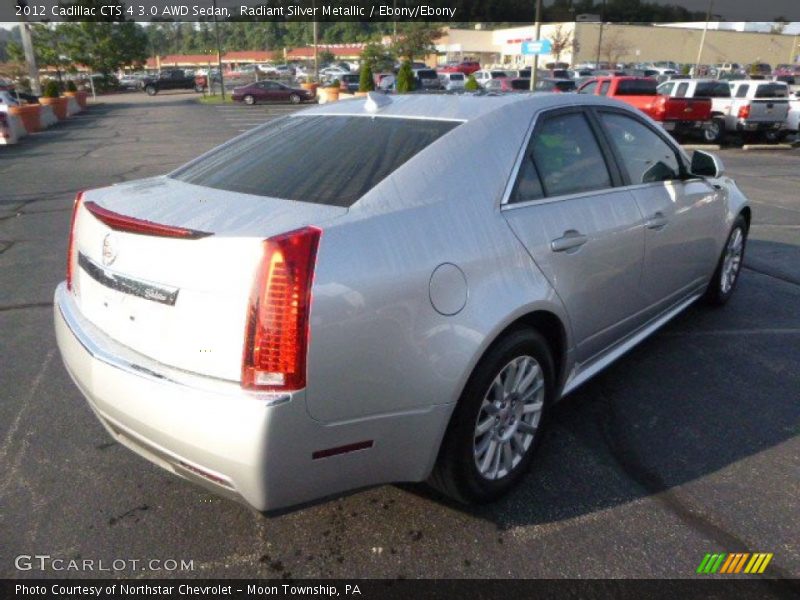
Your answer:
<point x="451" y="107"/>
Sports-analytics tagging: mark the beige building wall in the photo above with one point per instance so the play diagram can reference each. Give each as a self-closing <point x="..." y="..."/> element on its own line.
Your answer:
<point x="640" y="43"/>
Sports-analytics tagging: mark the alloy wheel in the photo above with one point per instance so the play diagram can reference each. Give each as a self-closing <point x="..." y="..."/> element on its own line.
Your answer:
<point x="732" y="261"/>
<point x="508" y="417"/>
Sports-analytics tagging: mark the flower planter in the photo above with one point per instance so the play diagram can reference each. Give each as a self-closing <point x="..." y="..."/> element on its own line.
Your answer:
<point x="29" y="114"/>
<point x="59" y="106"/>
<point x="79" y="96"/>
<point x="329" y="94"/>
<point x="311" y="87"/>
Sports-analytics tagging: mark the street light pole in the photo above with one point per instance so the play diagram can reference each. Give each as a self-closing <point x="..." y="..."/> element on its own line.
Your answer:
<point x="703" y="39"/>
<point x="219" y="56"/>
<point x="600" y="36"/>
<point x="537" y="34"/>
<point x="27" y="46"/>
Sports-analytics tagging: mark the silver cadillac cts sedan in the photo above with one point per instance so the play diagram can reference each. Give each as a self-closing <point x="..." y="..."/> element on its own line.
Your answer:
<point x="384" y="290"/>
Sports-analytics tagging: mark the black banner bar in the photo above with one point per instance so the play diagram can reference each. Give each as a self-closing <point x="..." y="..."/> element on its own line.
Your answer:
<point x="453" y="11"/>
<point x="369" y="589"/>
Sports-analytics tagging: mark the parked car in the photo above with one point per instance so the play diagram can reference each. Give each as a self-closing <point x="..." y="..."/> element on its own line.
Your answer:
<point x="514" y="84"/>
<point x="556" y="86"/>
<point x="759" y="109"/>
<point x="430" y="352"/>
<point x="170" y="79"/>
<point x="331" y="73"/>
<point x="468" y="67"/>
<point x="350" y="81"/>
<point x="759" y="69"/>
<point x="793" y="117"/>
<point x="452" y="81"/>
<point x="130" y="82"/>
<point x="270" y="91"/>
<point x="485" y="77"/>
<point x="719" y="92"/>
<point x="679" y="116"/>
<point x="426" y="79"/>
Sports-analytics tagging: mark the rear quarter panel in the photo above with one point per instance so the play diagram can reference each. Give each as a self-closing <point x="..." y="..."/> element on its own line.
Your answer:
<point x="378" y="346"/>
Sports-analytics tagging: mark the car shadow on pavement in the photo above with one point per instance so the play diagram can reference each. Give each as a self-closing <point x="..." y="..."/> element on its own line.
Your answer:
<point x="711" y="389"/>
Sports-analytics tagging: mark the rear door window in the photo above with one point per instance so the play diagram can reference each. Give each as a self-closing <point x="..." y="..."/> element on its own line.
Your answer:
<point x="567" y="156"/>
<point x="292" y="158"/>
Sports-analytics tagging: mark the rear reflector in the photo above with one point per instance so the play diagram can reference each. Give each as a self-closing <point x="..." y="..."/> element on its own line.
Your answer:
<point x="120" y="222"/>
<point x="276" y="335"/>
<point x="341" y="450"/>
<point x="72" y="254"/>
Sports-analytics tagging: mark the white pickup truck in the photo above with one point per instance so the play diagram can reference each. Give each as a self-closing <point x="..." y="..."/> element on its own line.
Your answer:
<point x="749" y="107"/>
<point x="793" y="121"/>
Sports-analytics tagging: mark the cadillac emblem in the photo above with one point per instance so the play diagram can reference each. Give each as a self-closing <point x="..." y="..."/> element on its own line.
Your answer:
<point x="109" y="249"/>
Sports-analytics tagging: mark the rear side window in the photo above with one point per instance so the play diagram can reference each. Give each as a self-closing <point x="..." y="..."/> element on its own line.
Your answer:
<point x="771" y="90"/>
<point x="321" y="159"/>
<point x="645" y="155"/>
<point x="604" y="88"/>
<point x="589" y="88"/>
<point x="637" y="87"/>
<point x="682" y="89"/>
<point x="742" y="91"/>
<point x="567" y="156"/>
<point x="712" y="90"/>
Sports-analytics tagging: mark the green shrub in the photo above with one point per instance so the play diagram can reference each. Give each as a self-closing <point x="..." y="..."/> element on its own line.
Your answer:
<point x="472" y="84"/>
<point x="405" y="78"/>
<point x="71" y="87"/>
<point x="366" y="83"/>
<point x="51" y="89"/>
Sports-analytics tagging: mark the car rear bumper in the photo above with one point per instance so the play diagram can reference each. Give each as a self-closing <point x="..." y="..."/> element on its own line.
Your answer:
<point x="685" y="126"/>
<point x="263" y="449"/>
<point x="758" y="125"/>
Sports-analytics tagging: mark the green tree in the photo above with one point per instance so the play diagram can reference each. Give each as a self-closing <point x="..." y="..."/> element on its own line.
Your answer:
<point x="378" y="57"/>
<point x="106" y="47"/>
<point x="417" y="40"/>
<point x="366" y="83"/>
<point x="472" y="84"/>
<point x="325" y="57"/>
<point x="48" y="47"/>
<point x="405" y="78"/>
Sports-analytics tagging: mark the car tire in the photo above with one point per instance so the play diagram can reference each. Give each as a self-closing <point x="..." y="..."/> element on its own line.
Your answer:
<point x="726" y="276"/>
<point x="774" y="137"/>
<point x="461" y="471"/>
<point x="249" y="100"/>
<point x="714" y="133"/>
<point x="151" y="90"/>
<point x="294" y="99"/>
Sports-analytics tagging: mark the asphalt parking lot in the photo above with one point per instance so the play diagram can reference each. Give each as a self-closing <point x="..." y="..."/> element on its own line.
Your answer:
<point x="689" y="445"/>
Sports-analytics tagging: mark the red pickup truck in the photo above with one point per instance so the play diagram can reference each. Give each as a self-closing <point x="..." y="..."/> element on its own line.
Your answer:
<point x="679" y="116"/>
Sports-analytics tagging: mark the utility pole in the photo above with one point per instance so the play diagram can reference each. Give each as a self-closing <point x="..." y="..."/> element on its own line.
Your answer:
<point x="600" y="36"/>
<point x="219" y="56"/>
<point x="537" y="34"/>
<point x="315" y="35"/>
<point x="703" y="39"/>
<point x="27" y="46"/>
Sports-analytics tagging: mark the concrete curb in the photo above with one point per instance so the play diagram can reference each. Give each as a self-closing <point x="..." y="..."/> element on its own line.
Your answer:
<point x="768" y="147"/>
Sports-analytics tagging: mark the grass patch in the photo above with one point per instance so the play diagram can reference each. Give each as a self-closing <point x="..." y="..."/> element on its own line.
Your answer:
<point x="215" y="99"/>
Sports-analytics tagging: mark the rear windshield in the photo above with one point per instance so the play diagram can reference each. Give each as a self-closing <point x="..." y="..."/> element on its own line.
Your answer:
<point x="637" y="87"/>
<point x="771" y="90"/>
<point x="321" y="159"/>
<point x="456" y="76"/>
<point x="427" y="74"/>
<point x="565" y="86"/>
<point x="712" y="90"/>
<point x="521" y="84"/>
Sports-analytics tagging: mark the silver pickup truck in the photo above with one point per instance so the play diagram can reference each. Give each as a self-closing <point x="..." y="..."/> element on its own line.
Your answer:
<point x="751" y="108"/>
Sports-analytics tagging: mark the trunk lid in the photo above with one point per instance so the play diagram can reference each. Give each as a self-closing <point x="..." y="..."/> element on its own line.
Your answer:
<point x="688" y="109"/>
<point x="182" y="302"/>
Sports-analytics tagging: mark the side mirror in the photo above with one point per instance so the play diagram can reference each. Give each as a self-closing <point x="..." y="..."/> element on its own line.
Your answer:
<point x="706" y="164"/>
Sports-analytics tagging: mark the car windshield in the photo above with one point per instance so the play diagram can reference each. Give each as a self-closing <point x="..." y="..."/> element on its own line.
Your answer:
<point x="456" y="77"/>
<point x="427" y="74"/>
<point x="292" y="159"/>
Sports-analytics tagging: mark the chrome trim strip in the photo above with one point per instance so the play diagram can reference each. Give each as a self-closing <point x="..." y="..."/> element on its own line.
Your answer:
<point x="114" y="354"/>
<point x="160" y="293"/>
<point x="582" y="376"/>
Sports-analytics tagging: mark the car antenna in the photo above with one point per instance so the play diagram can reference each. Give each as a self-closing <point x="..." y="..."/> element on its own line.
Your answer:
<point x="376" y="101"/>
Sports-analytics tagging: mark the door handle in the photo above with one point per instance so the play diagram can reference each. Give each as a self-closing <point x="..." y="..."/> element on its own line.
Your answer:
<point x="572" y="239"/>
<point x="657" y="221"/>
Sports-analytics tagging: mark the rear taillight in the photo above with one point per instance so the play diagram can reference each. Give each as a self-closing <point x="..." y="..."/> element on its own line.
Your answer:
<point x="744" y="111"/>
<point x="276" y="336"/>
<point x="72" y="253"/>
<point x="660" y="108"/>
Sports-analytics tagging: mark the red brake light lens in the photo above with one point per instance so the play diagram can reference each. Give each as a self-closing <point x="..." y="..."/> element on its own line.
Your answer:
<point x="276" y="334"/>
<point x="744" y="111"/>
<point x="72" y="254"/>
<point x="127" y="224"/>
